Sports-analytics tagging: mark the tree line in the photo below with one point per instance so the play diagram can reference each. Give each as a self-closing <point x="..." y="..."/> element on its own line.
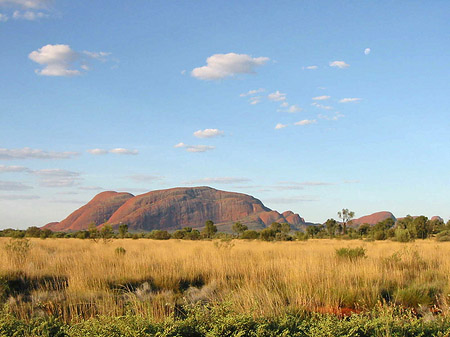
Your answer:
<point x="403" y="230"/>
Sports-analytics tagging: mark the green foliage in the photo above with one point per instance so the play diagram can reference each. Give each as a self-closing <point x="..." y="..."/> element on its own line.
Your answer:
<point x="301" y="236"/>
<point x="443" y="236"/>
<point x="187" y="233"/>
<point x="33" y="232"/>
<point x="120" y="251"/>
<point x="209" y="321"/>
<point x="312" y="231"/>
<point x="94" y="233"/>
<point x="239" y="228"/>
<point x="403" y="235"/>
<point x="351" y="254"/>
<point x="346" y="216"/>
<point x="267" y="234"/>
<point x="250" y="235"/>
<point x="364" y="229"/>
<point x="123" y="230"/>
<point x="331" y="226"/>
<point x="106" y="233"/>
<point x="210" y="229"/>
<point x="159" y="235"/>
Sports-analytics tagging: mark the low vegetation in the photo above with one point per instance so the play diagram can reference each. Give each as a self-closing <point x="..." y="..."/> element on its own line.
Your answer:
<point x="76" y="280"/>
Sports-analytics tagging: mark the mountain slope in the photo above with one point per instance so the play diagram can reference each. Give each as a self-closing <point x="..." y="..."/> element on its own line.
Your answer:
<point x="176" y="208"/>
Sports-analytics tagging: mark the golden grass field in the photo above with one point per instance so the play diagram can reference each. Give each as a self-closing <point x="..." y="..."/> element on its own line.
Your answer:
<point x="154" y="278"/>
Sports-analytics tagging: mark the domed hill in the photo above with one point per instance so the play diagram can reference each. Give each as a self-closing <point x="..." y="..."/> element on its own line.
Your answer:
<point x="372" y="219"/>
<point x="189" y="207"/>
<point x="97" y="211"/>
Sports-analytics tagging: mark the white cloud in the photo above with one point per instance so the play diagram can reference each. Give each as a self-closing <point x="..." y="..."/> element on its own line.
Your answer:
<point x="56" y="59"/>
<point x="252" y="92"/>
<point x="320" y="106"/>
<point x="195" y="148"/>
<point x="284" y="104"/>
<point x="120" y="150"/>
<point x="349" y="100"/>
<point x="29" y="15"/>
<point x="61" y="60"/>
<point x="294" y="108"/>
<point x="97" y="152"/>
<point x="28" y="153"/>
<point x="208" y="133"/>
<point x="225" y="65"/>
<point x="27" y="4"/>
<point x="277" y="96"/>
<point x="337" y="115"/>
<point x="367" y="51"/>
<point x="311" y="67"/>
<point x="280" y="126"/>
<point x="101" y="55"/>
<point x="321" y="98"/>
<point x="306" y="122"/>
<point x="57" y="177"/>
<point x="13" y="186"/>
<point x="255" y="100"/>
<point x="219" y="180"/>
<point x="339" y="64"/>
<point x="3" y="17"/>
<point x="13" y="168"/>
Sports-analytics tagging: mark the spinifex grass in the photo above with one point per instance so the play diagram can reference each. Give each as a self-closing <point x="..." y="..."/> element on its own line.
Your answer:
<point x="73" y="278"/>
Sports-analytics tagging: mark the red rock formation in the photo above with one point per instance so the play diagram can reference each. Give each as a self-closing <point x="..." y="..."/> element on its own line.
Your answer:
<point x="97" y="211"/>
<point x="176" y="208"/>
<point x="372" y="219"/>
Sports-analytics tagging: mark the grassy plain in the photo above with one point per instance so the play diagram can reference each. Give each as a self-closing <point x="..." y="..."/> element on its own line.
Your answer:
<point x="77" y="279"/>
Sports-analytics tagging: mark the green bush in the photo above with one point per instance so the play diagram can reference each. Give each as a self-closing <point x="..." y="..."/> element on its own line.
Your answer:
<point x="206" y="321"/>
<point x="443" y="236"/>
<point x="403" y="235"/>
<point x="250" y="235"/>
<point x="120" y="251"/>
<point x="351" y="254"/>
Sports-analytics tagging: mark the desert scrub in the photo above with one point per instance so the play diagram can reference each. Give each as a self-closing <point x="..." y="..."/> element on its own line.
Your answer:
<point x="208" y="321"/>
<point x="351" y="254"/>
<point x="120" y="251"/>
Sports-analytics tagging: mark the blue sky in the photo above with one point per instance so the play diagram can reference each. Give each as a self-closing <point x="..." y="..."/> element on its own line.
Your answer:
<point x="311" y="106"/>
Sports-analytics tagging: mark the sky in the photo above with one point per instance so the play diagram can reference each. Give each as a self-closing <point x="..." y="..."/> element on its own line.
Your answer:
<point x="309" y="106"/>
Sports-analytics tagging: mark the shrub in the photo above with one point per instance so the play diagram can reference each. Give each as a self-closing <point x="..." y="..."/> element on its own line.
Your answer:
<point x="250" y="235"/>
<point x="351" y="254"/>
<point x="120" y="251"/>
<point x="379" y="235"/>
<point x="403" y="235"/>
<point x="159" y="235"/>
<point x="443" y="236"/>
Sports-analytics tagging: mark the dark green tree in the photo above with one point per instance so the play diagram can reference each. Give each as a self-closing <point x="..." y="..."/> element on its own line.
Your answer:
<point x="106" y="233"/>
<point x="123" y="230"/>
<point x="239" y="228"/>
<point x="210" y="229"/>
<point x="94" y="234"/>
<point x="331" y="226"/>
